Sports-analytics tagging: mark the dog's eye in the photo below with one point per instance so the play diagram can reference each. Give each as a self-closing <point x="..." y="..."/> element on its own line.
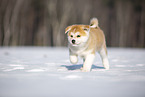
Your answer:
<point x="85" y="29"/>
<point x="71" y="36"/>
<point x="78" y="36"/>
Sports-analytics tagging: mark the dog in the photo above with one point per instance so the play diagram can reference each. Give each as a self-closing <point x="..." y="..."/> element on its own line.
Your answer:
<point x="85" y="41"/>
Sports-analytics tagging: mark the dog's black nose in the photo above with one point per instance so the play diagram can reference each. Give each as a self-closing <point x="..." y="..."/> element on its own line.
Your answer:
<point x="73" y="41"/>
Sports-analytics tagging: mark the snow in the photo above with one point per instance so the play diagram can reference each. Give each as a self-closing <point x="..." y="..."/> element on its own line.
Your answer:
<point x="47" y="72"/>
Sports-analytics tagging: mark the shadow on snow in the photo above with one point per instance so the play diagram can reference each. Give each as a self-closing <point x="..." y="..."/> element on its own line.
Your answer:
<point x="75" y="67"/>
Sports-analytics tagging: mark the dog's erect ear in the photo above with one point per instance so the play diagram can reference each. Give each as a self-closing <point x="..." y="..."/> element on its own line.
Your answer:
<point x="86" y="28"/>
<point x="67" y="29"/>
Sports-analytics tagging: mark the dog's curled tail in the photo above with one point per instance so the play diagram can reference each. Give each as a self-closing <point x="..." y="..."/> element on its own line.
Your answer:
<point x="94" y="23"/>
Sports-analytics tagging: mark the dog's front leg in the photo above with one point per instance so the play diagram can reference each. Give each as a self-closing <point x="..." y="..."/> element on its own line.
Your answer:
<point x="88" y="62"/>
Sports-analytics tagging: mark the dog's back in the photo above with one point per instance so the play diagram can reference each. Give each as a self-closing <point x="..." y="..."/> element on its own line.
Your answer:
<point x="96" y="36"/>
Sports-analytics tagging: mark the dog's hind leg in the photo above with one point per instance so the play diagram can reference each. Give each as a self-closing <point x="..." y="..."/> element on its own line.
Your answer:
<point x="103" y="54"/>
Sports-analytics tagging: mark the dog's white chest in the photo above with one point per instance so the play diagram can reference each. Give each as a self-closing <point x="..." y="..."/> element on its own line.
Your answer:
<point x="82" y="52"/>
<point x="85" y="53"/>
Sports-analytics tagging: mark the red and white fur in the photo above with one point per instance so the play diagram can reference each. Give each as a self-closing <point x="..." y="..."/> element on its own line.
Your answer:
<point x="85" y="41"/>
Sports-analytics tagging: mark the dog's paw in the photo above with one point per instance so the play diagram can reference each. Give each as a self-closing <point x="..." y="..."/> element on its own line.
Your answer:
<point x="85" y="69"/>
<point x="73" y="59"/>
<point x="106" y="64"/>
<point x="106" y="67"/>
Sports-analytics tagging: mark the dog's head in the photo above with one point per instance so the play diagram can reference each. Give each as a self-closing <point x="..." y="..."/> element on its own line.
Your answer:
<point x="77" y="34"/>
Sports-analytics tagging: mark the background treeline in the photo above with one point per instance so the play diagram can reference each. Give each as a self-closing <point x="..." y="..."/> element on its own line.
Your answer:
<point x="42" y="22"/>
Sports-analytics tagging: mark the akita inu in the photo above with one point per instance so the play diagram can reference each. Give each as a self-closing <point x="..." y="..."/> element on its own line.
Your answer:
<point x="85" y="41"/>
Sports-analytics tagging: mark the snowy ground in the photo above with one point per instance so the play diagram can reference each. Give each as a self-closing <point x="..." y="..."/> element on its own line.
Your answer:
<point x="47" y="72"/>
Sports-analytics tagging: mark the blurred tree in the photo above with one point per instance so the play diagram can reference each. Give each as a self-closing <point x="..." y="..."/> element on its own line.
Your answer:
<point x="42" y="22"/>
